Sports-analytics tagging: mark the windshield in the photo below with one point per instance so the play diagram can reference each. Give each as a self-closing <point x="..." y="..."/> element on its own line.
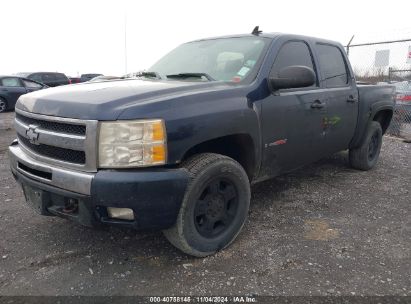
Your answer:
<point x="228" y="59"/>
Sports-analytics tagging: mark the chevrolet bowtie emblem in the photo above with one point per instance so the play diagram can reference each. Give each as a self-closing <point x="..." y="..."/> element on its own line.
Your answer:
<point x="32" y="135"/>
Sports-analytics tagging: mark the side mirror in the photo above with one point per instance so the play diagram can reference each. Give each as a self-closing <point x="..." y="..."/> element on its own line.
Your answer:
<point x="294" y="76"/>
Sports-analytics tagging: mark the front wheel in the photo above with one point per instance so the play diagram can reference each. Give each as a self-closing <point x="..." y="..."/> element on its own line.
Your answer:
<point x="366" y="156"/>
<point x="3" y="105"/>
<point x="215" y="205"/>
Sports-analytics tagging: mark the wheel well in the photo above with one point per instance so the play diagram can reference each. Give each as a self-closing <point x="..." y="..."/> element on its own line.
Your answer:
<point x="384" y="118"/>
<point x="239" y="147"/>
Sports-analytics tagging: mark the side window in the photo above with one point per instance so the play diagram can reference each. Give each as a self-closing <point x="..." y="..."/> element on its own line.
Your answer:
<point x="47" y="77"/>
<point x="36" y="77"/>
<point x="332" y="65"/>
<point x="293" y="53"/>
<point x="60" y="77"/>
<point x="31" y="84"/>
<point x="11" y="82"/>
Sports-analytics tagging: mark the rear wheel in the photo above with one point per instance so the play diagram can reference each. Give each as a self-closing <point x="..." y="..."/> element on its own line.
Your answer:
<point x="366" y="156"/>
<point x="3" y="105"/>
<point x="215" y="205"/>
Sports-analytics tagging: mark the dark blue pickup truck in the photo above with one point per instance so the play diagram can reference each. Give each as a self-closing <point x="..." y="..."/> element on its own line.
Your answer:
<point x="177" y="147"/>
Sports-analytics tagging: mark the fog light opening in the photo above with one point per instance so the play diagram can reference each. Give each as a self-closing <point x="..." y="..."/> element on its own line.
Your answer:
<point x="70" y="206"/>
<point x="120" y="213"/>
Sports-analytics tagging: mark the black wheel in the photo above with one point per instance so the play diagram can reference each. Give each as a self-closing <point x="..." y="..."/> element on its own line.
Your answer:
<point x="215" y="205"/>
<point x="3" y="105"/>
<point x="366" y="156"/>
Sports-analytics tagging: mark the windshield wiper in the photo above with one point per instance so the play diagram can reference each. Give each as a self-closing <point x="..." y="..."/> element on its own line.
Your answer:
<point x="189" y="75"/>
<point x="148" y="74"/>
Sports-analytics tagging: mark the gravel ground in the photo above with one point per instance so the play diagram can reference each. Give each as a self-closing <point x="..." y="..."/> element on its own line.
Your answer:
<point x="322" y="230"/>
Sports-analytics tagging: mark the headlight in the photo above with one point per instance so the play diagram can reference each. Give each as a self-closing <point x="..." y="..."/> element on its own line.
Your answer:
<point x="134" y="143"/>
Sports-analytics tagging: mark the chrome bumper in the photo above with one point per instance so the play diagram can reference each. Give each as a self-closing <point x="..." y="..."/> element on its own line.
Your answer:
<point x="75" y="181"/>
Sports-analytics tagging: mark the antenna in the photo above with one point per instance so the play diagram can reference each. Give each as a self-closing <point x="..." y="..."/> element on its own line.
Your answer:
<point x="125" y="42"/>
<point x="256" y="31"/>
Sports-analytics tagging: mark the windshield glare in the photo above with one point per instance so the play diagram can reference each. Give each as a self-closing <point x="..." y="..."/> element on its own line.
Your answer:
<point x="225" y="59"/>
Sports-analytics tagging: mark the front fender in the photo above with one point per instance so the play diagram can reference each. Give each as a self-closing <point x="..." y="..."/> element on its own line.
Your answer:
<point x="231" y="117"/>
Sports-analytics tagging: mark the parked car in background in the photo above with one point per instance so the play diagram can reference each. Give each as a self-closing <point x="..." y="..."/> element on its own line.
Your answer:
<point x="74" y="80"/>
<point x="12" y="87"/>
<point x="87" y="77"/>
<point x="402" y="111"/>
<point x="403" y="95"/>
<point x="51" y="79"/>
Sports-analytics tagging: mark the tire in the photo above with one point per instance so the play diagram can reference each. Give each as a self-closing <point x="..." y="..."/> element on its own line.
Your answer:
<point x="3" y="105"/>
<point x="366" y="156"/>
<point x="215" y="205"/>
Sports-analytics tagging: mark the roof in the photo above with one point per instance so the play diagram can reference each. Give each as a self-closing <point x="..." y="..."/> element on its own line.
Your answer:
<point x="272" y="36"/>
<point x="15" y="76"/>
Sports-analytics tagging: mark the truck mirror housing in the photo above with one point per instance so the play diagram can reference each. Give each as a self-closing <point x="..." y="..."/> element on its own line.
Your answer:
<point x="294" y="76"/>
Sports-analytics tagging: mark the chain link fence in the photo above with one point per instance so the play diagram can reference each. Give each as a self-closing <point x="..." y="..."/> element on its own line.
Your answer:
<point x="387" y="62"/>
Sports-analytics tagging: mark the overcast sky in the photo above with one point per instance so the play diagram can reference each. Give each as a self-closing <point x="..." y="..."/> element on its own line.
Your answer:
<point x="88" y="36"/>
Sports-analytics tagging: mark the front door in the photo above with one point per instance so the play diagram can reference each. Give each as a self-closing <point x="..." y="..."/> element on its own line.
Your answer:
<point x="292" y="119"/>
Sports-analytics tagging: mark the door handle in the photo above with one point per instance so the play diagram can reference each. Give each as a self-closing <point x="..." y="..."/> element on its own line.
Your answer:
<point x="352" y="99"/>
<point x="317" y="104"/>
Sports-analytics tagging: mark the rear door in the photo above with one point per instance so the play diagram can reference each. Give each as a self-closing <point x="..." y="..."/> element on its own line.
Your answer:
<point x="341" y="96"/>
<point x="292" y="118"/>
<point x="13" y="88"/>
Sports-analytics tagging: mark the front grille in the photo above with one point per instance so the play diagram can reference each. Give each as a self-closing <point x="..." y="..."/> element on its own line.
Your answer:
<point x="52" y="125"/>
<point x="67" y="155"/>
<point x="66" y="142"/>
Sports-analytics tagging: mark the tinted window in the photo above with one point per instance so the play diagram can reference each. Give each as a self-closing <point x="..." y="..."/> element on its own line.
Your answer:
<point x="332" y="65"/>
<point x="31" y="84"/>
<point x="11" y="82"/>
<point x="36" y="77"/>
<point x="292" y="53"/>
<point x="60" y="77"/>
<point x="48" y="77"/>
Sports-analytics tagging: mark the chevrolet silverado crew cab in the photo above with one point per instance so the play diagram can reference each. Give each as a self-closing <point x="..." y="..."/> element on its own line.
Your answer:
<point x="177" y="146"/>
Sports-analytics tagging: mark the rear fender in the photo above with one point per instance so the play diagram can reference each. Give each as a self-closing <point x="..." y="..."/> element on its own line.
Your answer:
<point x="366" y="118"/>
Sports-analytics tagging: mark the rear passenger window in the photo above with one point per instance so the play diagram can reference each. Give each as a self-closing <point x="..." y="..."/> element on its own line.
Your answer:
<point x="11" y="82"/>
<point x="332" y="65"/>
<point x="31" y="84"/>
<point x="293" y="53"/>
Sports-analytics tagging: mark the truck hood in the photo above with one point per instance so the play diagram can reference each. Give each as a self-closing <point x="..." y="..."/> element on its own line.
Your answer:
<point x="107" y="100"/>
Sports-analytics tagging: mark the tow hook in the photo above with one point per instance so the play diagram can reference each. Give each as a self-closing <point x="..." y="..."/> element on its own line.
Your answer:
<point x="70" y="206"/>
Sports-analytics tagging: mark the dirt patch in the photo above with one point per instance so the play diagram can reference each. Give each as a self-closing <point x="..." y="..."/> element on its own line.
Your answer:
<point x="319" y="230"/>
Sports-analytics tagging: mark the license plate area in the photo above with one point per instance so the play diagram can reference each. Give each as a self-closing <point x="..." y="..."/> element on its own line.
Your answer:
<point x="36" y="199"/>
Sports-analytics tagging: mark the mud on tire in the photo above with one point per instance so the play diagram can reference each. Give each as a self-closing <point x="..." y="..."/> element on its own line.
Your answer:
<point x="366" y="156"/>
<point x="215" y="205"/>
